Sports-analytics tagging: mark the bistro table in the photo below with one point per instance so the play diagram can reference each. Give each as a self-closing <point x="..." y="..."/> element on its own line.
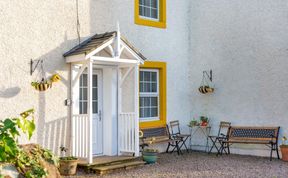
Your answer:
<point x="203" y="130"/>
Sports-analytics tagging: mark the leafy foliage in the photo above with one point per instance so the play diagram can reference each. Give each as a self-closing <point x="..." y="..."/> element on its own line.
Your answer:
<point x="9" y="131"/>
<point x="27" y="164"/>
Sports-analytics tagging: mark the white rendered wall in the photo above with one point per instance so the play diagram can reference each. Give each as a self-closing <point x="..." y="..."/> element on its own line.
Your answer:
<point x="243" y="42"/>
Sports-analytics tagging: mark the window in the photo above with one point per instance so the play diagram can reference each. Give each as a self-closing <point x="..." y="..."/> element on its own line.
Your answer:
<point x="83" y="94"/>
<point x="149" y="9"/>
<point x="150" y="13"/>
<point x="152" y="94"/>
<point x="149" y="94"/>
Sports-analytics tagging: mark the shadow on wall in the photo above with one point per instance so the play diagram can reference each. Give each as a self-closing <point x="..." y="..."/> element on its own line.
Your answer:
<point x="55" y="134"/>
<point x="9" y="92"/>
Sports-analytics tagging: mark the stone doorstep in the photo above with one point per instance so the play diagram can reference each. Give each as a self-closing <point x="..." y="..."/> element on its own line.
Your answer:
<point x="101" y="170"/>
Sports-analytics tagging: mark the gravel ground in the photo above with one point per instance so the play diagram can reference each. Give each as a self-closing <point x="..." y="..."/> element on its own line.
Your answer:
<point x="203" y="165"/>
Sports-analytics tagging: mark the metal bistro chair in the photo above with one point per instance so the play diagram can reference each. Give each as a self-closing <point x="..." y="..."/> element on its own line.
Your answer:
<point x="176" y="133"/>
<point x="222" y="135"/>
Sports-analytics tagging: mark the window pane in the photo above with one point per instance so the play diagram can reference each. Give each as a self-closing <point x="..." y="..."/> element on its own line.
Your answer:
<point x="154" y="87"/>
<point x="154" y="76"/>
<point x="146" y="87"/>
<point x="94" y="82"/>
<point x="154" y="3"/>
<point x="146" y="101"/>
<point x="146" y="112"/>
<point x="154" y="101"/>
<point x="84" y="107"/>
<point x="80" y="108"/>
<point x="141" y="76"/>
<point x="85" y="93"/>
<point x="141" y="2"/>
<point x="95" y="107"/>
<point x="147" y="12"/>
<point x="95" y="94"/>
<point x="80" y="94"/>
<point x="147" y="3"/>
<point x="141" y="87"/>
<point x="141" y="10"/>
<point x="141" y="112"/>
<point x="84" y="80"/>
<point x="154" y="112"/>
<point x="154" y="13"/>
<point x="141" y="101"/>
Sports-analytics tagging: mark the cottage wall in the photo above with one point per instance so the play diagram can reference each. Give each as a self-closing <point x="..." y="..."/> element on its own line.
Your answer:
<point x="243" y="42"/>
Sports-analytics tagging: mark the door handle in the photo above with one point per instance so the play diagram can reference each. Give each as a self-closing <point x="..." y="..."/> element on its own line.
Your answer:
<point x="100" y="115"/>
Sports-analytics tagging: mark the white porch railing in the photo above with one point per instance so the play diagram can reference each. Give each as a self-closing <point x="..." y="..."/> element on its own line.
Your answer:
<point x="127" y="136"/>
<point x="80" y="123"/>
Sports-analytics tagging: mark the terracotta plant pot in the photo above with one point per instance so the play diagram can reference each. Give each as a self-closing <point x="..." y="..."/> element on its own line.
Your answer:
<point x="68" y="167"/>
<point x="284" y="152"/>
<point x="204" y="123"/>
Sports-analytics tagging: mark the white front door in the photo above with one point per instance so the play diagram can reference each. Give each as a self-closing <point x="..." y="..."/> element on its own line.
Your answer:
<point x="97" y="113"/>
<point x="97" y="139"/>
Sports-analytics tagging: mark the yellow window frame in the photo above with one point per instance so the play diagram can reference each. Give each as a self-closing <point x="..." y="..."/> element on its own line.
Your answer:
<point x="146" y="22"/>
<point x="161" y="66"/>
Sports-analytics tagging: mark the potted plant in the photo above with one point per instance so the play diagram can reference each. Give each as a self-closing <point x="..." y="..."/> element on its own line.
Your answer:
<point x="44" y="84"/>
<point x="284" y="149"/>
<point x="193" y="123"/>
<point x="150" y="154"/>
<point x="204" y="120"/>
<point x="205" y="89"/>
<point x="68" y="164"/>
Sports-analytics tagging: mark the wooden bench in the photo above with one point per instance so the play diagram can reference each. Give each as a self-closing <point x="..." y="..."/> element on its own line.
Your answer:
<point x="252" y="135"/>
<point x="158" y="135"/>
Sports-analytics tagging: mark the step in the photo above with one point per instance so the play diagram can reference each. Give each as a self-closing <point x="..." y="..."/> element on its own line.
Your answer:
<point x="107" y="160"/>
<point x="113" y="167"/>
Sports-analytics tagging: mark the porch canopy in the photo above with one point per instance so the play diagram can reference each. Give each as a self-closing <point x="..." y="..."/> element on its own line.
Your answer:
<point x="107" y="50"/>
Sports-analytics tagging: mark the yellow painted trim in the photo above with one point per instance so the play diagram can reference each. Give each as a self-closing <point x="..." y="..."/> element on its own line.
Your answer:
<point x="161" y="66"/>
<point x="146" y="22"/>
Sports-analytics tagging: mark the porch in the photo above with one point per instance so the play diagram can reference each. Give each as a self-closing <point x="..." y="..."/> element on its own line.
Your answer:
<point x="104" y="97"/>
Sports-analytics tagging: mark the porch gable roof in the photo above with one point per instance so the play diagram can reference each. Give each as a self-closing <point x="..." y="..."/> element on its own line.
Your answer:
<point x="98" y="40"/>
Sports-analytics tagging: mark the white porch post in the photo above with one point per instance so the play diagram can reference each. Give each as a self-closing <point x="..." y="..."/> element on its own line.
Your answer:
<point x="89" y="111"/>
<point x="72" y="74"/>
<point x="136" y="99"/>
<point x="119" y="110"/>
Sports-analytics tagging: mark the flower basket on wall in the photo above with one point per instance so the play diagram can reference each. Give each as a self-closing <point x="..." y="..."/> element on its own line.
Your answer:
<point x="205" y="86"/>
<point x="43" y="84"/>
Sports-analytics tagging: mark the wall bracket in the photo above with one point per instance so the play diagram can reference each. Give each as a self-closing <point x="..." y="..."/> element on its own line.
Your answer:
<point x="34" y="66"/>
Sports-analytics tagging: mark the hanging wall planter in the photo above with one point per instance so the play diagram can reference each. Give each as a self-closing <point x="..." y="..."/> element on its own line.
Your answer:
<point x="205" y="86"/>
<point x="43" y="84"/>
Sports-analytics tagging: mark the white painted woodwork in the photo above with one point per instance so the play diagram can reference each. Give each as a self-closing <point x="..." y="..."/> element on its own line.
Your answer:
<point x="111" y="50"/>
<point x="90" y="127"/>
<point x="125" y="75"/>
<point x="80" y="142"/>
<point x="127" y="133"/>
<point x="75" y="58"/>
<point x="114" y="60"/>
<point x="89" y="55"/>
<point x="97" y="117"/>
<point x="136" y="109"/>
<point x="80" y="71"/>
